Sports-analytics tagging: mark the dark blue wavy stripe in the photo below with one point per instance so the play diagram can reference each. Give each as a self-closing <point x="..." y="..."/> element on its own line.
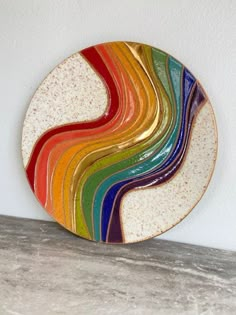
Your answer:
<point x="187" y="83"/>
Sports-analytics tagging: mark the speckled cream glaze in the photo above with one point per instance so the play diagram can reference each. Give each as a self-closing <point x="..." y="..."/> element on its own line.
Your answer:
<point x="151" y="211"/>
<point x="71" y="92"/>
<point x="76" y="154"/>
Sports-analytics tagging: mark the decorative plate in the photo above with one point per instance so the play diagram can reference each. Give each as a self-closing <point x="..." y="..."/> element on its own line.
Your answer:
<point x="119" y="142"/>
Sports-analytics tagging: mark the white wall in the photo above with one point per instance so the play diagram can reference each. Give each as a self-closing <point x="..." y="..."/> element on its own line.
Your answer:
<point x="35" y="35"/>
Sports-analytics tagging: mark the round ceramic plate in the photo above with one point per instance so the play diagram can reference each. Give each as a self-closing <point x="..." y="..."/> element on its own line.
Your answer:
<point x="119" y="142"/>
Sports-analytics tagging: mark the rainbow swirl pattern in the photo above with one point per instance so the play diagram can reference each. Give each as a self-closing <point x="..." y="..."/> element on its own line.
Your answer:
<point x="80" y="171"/>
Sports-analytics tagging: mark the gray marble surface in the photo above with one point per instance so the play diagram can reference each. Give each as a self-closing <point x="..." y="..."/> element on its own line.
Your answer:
<point x="46" y="270"/>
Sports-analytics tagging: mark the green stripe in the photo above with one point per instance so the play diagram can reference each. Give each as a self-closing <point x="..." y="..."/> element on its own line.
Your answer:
<point x="106" y="175"/>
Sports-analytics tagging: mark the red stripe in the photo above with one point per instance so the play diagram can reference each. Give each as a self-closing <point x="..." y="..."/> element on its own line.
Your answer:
<point x="96" y="61"/>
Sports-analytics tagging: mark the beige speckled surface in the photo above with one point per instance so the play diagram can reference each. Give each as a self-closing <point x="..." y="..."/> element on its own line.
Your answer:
<point x="154" y="210"/>
<point x="71" y="92"/>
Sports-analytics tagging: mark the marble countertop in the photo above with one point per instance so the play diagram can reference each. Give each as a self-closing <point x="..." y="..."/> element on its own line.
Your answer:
<point x="46" y="270"/>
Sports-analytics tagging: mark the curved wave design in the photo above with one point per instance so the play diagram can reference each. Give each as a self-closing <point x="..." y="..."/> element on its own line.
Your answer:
<point x="80" y="171"/>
